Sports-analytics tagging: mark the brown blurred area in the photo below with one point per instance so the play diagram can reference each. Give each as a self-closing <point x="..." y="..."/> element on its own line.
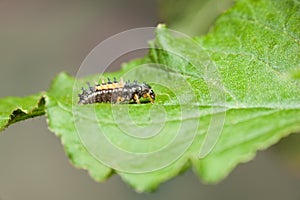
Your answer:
<point x="39" y="39"/>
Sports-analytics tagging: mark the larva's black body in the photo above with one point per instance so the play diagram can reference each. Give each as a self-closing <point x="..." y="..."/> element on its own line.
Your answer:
<point x="116" y="92"/>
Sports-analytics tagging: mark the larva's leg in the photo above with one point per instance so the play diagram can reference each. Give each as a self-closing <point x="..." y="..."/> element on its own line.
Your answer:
<point x="136" y="98"/>
<point x="151" y="100"/>
<point x="147" y="95"/>
<point x="120" y="100"/>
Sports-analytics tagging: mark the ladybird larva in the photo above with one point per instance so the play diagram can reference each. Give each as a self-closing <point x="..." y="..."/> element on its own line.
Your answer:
<point x="116" y="92"/>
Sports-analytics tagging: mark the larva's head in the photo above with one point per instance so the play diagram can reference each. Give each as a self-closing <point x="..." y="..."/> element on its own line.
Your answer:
<point x="148" y="92"/>
<point x="152" y="95"/>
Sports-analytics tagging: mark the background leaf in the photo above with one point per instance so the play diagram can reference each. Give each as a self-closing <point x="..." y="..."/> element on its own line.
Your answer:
<point x="193" y="17"/>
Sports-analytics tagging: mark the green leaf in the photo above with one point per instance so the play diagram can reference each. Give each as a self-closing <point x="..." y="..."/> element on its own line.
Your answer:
<point x="220" y="98"/>
<point x="14" y="109"/>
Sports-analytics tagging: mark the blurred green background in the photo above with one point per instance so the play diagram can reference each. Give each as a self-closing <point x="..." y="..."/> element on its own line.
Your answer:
<point x="39" y="39"/>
